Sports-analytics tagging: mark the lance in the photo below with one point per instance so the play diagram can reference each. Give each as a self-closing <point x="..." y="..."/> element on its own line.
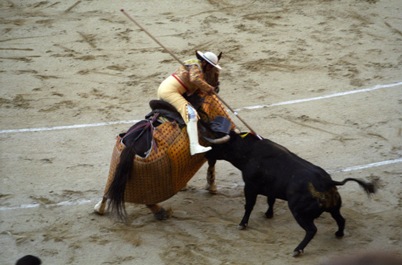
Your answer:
<point x="177" y="59"/>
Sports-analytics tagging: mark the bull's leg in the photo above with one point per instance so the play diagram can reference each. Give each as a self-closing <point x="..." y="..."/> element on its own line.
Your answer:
<point x="211" y="185"/>
<point x="101" y="206"/>
<point x="251" y="197"/>
<point x="159" y="212"/>
<point x="307" y="223"/>
<point x="336" y="214"/>
<point x="270" y="212"/>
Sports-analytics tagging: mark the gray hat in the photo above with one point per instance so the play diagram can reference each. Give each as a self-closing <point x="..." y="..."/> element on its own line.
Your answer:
<point x="211" y="58"/>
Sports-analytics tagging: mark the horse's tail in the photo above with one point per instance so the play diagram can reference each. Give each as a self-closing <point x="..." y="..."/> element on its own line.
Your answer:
<point x="369" y="187"/>
<point x="117" y="188"/>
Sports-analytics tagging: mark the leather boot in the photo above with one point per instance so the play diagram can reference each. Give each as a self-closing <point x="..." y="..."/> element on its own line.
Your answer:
<point x="192" y="131"/>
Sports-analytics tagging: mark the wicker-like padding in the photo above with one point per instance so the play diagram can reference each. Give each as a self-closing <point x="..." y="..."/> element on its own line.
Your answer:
<point x="169" y="166"/>
<point x="213" y="107"/>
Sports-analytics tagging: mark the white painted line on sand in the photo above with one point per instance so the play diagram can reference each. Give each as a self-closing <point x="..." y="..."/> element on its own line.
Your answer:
<point x="86" y="201"/>
<point x="340" y="94"/>
<point x="36" y="205"/>
<point x="77" y="126"/>
<point x="66" y="127"/>
<point x="377" y="164"/>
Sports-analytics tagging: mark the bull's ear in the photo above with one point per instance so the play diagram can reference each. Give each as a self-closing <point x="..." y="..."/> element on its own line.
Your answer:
<point x="219" y="56"/>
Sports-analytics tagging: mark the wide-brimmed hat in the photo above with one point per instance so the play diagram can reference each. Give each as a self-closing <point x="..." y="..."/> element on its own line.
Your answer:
<point x="210" y="57"/>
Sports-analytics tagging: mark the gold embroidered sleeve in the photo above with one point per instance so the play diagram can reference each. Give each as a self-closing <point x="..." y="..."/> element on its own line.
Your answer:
<point x="197" y="78"/>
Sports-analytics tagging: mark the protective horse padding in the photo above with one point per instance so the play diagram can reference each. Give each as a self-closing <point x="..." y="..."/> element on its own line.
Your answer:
<point x="169" y="166"/>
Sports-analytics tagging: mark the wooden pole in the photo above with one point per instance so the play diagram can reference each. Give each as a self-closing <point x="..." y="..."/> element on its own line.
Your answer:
<point x="177" y="59"/>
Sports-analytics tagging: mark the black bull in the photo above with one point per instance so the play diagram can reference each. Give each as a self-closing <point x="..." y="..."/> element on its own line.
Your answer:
<point x="272" y="170"/>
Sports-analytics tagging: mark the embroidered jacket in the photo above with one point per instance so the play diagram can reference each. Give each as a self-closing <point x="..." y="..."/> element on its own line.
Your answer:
<point x="192" y="78"/>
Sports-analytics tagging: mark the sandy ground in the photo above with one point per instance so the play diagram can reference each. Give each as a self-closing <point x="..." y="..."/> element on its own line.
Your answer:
<point x="64" y="64"/>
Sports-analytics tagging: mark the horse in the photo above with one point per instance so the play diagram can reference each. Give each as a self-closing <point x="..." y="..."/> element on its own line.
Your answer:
<point x="151" y="161"/>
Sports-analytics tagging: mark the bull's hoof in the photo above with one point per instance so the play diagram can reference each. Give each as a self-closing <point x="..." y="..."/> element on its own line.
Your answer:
<point x="297" y="253"/>
<point x="242" y="226"/>
<point x="269" y="215"/>
<point x="339" y="234"/>
<point x="163" y="214"/>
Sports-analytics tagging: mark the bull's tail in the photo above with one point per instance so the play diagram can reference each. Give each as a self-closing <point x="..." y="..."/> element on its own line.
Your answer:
<point x="369" y="187"/>
<point x="117" y="188"/>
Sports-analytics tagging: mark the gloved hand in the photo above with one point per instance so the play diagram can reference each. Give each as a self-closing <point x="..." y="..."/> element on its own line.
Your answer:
<point x="217" y="88"/>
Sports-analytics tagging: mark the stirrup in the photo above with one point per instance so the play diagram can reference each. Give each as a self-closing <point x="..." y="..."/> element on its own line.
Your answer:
<point x="197" y="149"/>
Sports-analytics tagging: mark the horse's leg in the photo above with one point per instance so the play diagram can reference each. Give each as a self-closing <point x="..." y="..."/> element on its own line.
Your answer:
<point x="101" y="206"/>
<point x="211" y="185"/>
<point x="159" y="212"/>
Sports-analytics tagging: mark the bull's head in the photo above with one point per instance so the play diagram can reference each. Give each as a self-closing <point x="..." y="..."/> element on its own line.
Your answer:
<point x="220" y="127"/>
<point x="234" y="148"/>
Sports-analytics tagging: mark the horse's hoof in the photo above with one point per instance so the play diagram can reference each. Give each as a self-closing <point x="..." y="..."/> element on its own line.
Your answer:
<point x="212" y="188"/>
<point x="297" y="253"/>
<point x="163" y="214"/>
<point x="100" y="207"/>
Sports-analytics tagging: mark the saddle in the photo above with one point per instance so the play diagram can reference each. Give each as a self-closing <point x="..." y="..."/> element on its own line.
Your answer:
<point x="166" y="110"/>
<point x="140" y="135"/>
<point x="219" y="125"/>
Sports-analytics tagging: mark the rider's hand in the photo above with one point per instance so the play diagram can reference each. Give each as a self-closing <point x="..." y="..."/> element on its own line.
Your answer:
<point x="217" y="88"/>
<point x="211" y="90"/>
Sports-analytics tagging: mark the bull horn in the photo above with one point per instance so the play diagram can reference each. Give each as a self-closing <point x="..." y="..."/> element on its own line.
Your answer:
<point x="221" y="140"/>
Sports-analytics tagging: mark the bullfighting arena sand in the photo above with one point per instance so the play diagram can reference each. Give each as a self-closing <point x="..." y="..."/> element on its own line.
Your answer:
<point x="323" y="78"/>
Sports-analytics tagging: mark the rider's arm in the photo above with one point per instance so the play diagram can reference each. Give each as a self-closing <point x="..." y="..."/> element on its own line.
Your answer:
<point x="197" y="78"/>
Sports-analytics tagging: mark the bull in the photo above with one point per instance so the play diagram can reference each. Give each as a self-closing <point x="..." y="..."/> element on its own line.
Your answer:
<point x="272" y="170"/>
